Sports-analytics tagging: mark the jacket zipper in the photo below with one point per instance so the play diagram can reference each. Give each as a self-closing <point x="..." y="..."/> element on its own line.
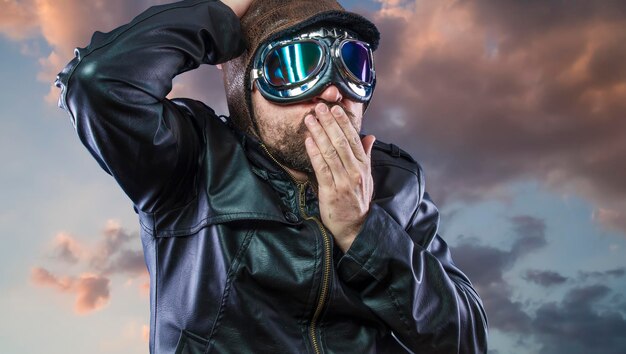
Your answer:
<point x="326" y="273"/>
<point x="326" y="259"/>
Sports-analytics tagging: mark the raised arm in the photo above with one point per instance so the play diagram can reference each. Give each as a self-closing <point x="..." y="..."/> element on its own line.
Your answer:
<point x="115" y="89"/>
<point x="407" y="277"/>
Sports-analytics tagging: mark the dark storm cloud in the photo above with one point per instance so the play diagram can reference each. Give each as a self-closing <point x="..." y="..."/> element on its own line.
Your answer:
<point x="582" y="322"/>
<point x="484" y="93"/>
<point x="529" y="19"/>
<point x="602" y="275"/>
<point x="485" y="266"/>
<point x="544" y="278"/>
<point x="575" y="326"/>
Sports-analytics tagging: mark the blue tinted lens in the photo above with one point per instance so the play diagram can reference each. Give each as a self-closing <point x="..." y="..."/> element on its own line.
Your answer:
<point x="357" y="59"/>
<point x="292" y="63"/>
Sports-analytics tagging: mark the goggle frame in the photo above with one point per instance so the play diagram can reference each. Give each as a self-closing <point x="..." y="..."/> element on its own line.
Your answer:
<point x="298" y="91"/>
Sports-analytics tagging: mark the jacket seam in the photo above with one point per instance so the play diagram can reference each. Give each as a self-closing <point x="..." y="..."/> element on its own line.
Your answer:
<point x="396" y="304"/>
<point x="156" y="293"/>
<point x="417" y="205"/>
<point x="234" y="267"/>
<point x="388" y="163"/>
<point x="210" y="221"/>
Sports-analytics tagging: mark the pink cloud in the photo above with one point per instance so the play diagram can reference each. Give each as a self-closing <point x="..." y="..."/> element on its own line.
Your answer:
<point x="110" y="257"/>
<point x="91" y="291"/>
<point x="18" y="19"/>
<point x="484" y="99"/>
<point x="66" y="248"/>
<point x="43" y="277"/>
<point x="145" y="333"/>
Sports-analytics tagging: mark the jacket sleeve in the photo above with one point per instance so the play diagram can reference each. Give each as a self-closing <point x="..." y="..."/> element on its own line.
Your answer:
<point x="407" y="277"/>
<point x="115" y="89"/>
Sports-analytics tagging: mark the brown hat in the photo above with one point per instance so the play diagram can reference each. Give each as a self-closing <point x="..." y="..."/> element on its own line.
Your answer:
<point x="268" y="20"/>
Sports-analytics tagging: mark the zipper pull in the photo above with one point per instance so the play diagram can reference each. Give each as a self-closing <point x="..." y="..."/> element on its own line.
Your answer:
<point x="302" y="188"/>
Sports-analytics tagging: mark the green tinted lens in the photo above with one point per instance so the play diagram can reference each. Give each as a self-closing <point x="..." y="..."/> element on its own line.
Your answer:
<point x="292" y="63"/>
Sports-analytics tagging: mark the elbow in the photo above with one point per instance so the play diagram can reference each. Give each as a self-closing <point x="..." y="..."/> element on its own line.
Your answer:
<point x="79" y="84"/>
<point x="474" y="327"/>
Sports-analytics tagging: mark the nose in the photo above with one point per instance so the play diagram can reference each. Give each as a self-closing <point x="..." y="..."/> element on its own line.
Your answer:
<point x="330" y="94"/>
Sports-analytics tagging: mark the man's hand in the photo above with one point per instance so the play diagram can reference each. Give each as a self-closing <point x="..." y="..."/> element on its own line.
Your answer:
<point x="239" y="7"/>
<point x="341" y="161"/>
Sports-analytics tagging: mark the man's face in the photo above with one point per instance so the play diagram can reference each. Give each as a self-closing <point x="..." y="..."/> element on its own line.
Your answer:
<point x="282" y="127"/>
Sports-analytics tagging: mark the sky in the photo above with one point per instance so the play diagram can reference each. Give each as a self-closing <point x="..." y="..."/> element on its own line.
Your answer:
<point x="516" y="110"/>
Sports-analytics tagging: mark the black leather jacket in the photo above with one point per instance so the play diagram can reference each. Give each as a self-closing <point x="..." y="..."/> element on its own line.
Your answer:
<point x="239" y="261"/>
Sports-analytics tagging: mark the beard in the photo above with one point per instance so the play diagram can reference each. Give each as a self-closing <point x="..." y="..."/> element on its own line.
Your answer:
<point x="287" y="142"/>
<point x="288" y="148"/>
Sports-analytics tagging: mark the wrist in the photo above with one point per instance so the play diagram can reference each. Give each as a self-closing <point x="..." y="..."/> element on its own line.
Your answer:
<point x="237" y="6"/>
<point x="345" y="242"/>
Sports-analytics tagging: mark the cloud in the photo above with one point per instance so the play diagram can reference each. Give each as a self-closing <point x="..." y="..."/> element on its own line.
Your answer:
<point x="602" y="275"/>
<point x="482" y="93"/>
<point x="91" y="291"/>
<point x="575" y="326"/>
<point x="485" y="266"/>
<point x="66" y="248"/>
<point x="43" y="277"/>
<point x="582" y="322"/>
<point x="109" y="258"/>
<point x="490" y="92"/>
<point x="145" y="333"/>
<point x="545" y="278"/>
<point x="18" y="20"/>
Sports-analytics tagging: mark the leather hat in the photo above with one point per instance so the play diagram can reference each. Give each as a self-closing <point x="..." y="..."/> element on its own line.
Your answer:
<point x="267" y="20"/>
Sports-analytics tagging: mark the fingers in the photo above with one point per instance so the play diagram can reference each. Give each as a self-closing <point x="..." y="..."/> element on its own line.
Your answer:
<point x="322" y="171"/>
<point x="341" y="136"/>
<point x="337" y="137"/>
<point x="346" y="158"/>
<point x="349" y="132"/>
<point x="327" y="150"/>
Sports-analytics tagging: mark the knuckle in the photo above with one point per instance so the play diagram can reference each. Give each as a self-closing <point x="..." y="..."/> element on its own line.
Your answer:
<point x="330" y="153"/>
<point x="325" y="170"/>
<point x="341" y="142"/>
<point x="357" y="180"/>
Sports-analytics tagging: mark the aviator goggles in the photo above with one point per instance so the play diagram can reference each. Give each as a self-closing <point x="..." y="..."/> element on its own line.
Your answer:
<point x="297" y="69"/>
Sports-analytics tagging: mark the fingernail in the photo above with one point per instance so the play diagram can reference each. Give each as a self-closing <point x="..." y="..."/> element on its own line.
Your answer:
<point x="309" y="120"/>
<point x="322" y="108"/>
<point x="336" y="110"/>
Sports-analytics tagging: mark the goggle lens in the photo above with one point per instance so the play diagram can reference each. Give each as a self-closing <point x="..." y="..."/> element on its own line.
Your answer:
<point x="357" y="59"/>
<point x="292" y="63"/>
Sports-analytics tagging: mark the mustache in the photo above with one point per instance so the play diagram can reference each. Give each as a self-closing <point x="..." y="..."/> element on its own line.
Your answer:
<point x="330" y="105"/>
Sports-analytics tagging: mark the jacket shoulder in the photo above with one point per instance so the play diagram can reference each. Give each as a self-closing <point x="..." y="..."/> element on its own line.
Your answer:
<point x="398" y="180"/>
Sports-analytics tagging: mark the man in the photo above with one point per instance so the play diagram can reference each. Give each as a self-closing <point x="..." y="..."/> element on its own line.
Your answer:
<point x="277" y="229"/>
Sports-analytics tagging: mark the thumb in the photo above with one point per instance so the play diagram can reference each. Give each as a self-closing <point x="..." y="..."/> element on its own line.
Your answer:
<point x="368" y="143"/>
